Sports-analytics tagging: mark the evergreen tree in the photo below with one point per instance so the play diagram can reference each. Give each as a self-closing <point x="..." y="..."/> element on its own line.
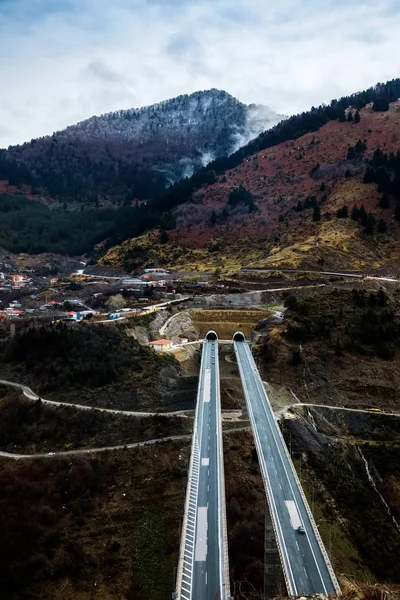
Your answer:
<point x="360" y="147"/>
<point x="397" y="212"/>
<point x="381" y="104"/>
<point x="384" y="201"/>
<point x="382" y="228"/>
<point x="381" y="297"/>
<point x="299" y="206"/>
<point x="281" y="218"/>
<point x="355" y="213"/>
<point x="370" y="223"/>
<point x="241" y="196"/>
<point x="316" y="214"/>
<point x="351" y="153"/>
<point x="342" y="213"/>
<point x="369" y="175"/>
<point x="342" y="116"/>
<point x="362" y="215"/>
<point x="164" y="237"/>
<point x="213" y="218"/>
<point x="357" y="117"/>
<point x="350" y="116"/>
<point x="322" y="187"/>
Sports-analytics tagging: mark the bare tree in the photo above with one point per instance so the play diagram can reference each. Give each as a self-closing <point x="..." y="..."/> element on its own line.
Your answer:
<point x="116" y="302"/>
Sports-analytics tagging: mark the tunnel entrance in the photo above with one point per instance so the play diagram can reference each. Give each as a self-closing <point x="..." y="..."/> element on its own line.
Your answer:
<point x="239" y="337"/>
<point x="211" y="336"/>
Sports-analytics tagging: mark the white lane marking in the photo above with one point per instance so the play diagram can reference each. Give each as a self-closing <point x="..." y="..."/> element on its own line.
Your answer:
<point x="298" y="548"/>
<point x="208" y="487"/>
<point x="206" y="578"/>
<point x="205" y="462"/>
<point x="305" y="572"/>
<point x="207" y="385"/>
<point x="201" y="537"/>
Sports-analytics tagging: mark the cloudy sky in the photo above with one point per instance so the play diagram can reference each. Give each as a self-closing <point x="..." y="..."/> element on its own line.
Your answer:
<point x="65" y="60"/>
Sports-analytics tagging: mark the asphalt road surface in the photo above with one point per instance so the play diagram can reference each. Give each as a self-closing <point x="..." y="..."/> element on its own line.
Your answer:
<point x="204" y="575"/>
<point x="303" y="560"/>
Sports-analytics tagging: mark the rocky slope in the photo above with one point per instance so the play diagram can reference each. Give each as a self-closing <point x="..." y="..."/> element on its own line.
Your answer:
<point x="270" y="222"/>
<point x="133" y="154"/>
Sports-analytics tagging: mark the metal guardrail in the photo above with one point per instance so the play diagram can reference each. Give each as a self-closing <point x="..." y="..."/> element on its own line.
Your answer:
<point x="188" y="534"/>
<point x="222" y="508"/>
<point x="186" y="552"/>
<point x="267" y="484"/>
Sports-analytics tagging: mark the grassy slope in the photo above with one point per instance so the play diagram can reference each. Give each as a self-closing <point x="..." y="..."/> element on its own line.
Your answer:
<point x="227" y="322"/>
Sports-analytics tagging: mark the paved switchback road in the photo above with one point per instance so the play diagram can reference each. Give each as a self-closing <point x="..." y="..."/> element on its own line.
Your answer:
<point x="305" y="563"/>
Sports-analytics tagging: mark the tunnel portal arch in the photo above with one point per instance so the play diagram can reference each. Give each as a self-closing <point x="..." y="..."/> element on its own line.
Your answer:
<point x="211" y="336"/>
<point x="239" y="337"/>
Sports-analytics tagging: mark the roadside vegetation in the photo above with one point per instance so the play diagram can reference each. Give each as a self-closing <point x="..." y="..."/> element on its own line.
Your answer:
<point x="351" y="513"/>
<point x="92" y="355"/>
<point x="360" y="321"/>
<point x="98" y="365"/>
<point x="28" y="427"/>
<point x="107" y="526"/>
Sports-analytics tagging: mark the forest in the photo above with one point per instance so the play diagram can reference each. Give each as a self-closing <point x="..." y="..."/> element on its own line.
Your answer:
<point x="93" y="356"/>
<point x="83" y="175"/>
<point x="29" y="226"/>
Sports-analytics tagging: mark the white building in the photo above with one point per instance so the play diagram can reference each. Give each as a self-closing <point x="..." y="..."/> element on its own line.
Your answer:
<point x="161" y="345"/>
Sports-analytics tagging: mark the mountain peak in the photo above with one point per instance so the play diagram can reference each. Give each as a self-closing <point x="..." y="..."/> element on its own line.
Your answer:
<point x="138" y="152"/>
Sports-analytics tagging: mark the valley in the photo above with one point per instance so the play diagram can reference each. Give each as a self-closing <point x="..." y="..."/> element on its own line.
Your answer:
<point x="119" y="483"/>
<point x="124" y="240"/>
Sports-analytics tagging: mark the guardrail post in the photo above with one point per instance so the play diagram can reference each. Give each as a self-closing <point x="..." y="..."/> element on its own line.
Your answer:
<point x="273" y="573"/>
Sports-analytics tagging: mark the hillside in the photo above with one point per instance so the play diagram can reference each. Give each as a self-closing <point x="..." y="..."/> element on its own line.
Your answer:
<point x="129" y="155"/>
<point x="94" y="365"/>
<point x="260" y="213"/>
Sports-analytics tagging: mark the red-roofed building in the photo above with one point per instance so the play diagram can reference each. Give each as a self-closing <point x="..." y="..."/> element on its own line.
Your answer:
<point x="161" y="345"/>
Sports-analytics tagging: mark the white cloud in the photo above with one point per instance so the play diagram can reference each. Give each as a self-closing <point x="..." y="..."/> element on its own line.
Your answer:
<point x="93" y="56"/>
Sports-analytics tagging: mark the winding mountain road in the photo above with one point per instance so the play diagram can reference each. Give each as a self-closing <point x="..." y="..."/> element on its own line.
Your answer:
<point x="31" y="395"/>
<point x="62" y="453"/>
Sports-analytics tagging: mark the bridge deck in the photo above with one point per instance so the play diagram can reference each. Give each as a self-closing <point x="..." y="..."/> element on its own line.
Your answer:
<point x="304" y="560"/>
<point x="203" y="571"/>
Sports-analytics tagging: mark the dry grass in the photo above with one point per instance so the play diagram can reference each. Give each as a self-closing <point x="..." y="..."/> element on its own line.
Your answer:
<point x="227" y="322"/>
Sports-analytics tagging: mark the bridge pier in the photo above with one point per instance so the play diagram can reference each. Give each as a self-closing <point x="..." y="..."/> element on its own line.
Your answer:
<point x="274" y="581"/>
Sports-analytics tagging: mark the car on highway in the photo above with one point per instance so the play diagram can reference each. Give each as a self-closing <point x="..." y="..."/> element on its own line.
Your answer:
<point x="301" y="529"/>
<point x="51" y="454"/>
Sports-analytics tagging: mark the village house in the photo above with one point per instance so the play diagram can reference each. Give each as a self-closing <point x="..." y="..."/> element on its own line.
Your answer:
<point x="161" y="345"/>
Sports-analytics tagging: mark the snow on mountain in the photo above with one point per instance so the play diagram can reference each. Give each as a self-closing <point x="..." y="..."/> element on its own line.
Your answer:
<point x="137" y="152"/>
